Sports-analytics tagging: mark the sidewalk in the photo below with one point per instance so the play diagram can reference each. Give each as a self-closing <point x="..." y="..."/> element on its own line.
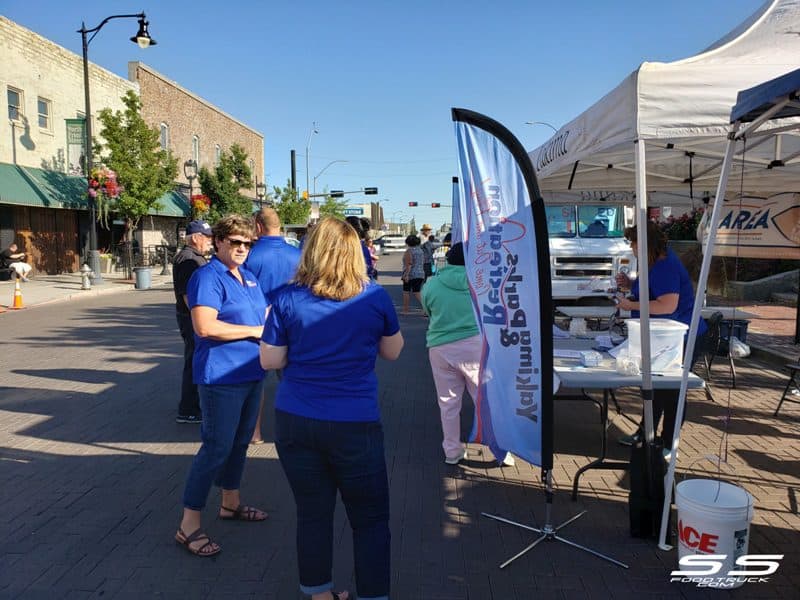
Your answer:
<point x="46" y="289"/>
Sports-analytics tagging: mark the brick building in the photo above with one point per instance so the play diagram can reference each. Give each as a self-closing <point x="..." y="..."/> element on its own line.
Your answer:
<point x="42" y="193"/>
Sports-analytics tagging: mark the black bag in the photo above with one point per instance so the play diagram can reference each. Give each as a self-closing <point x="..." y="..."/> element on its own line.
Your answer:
<point x="646" y="498"/>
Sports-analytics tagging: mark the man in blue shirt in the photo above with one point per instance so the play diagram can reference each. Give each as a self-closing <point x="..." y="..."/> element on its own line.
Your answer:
<point x="273" y="261"/>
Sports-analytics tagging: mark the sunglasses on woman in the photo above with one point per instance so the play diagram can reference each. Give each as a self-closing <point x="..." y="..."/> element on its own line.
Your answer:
<point x="246" y="244"/>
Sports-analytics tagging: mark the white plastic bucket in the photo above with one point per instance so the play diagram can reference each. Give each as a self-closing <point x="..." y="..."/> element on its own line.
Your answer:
<point x="666" y="343"/>
<point x="714" y="518"/>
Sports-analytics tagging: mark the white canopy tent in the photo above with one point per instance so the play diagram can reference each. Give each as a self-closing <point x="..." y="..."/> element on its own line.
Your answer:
<point x="755" y="109"/>
<point x="665" y="127"/>
<point x="680" y="111"/>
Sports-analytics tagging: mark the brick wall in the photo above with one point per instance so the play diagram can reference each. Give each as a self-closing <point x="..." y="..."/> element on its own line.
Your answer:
<point x="39" y="67"/>
<point x="187" y="115"/>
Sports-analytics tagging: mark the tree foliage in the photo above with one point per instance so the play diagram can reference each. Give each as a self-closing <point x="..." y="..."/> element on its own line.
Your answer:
<point x="224" y="183"/>
<point x="144" y="171"/>
<point x="332" y="207"/>
<point x="291" y="208"/>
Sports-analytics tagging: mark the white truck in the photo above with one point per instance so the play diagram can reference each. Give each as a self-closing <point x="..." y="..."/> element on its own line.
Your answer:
<point x="587" y="249"/>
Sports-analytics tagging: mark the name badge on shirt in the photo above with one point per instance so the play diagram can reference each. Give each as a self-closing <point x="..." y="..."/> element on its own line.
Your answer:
<point x="251" y="283"/>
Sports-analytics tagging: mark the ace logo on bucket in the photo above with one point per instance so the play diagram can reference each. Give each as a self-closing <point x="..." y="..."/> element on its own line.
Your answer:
<point x="705" y="569"/>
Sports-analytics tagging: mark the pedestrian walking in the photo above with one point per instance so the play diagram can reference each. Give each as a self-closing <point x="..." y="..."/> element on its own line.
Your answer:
<point x="326" y="330"/>
<point x="185" y="263"/>
<point x="454" y="349"/>
<point x="427" y="249"/>
<point x="228" y="312"/>
<point x="413" y="275"/>
<point x="273" y="261"/>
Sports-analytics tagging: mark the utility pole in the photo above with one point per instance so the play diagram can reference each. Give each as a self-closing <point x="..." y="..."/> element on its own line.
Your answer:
<point x="294" y="172"/>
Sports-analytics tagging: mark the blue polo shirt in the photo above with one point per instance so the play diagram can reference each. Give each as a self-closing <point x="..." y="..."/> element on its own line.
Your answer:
<point x="332" y="347"/>
<point x="273" y="262"/>
<point x="669" y="276"/>
<point x="214" y="361"/>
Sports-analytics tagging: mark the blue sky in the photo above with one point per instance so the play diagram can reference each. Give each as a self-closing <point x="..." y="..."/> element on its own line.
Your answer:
<point x="379" y="78"/>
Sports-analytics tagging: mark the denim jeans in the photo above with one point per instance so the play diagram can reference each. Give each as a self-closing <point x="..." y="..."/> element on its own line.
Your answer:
<point x="229" y="418"/>
<point x="190" y="400"/>
<point x="319" y="458"/>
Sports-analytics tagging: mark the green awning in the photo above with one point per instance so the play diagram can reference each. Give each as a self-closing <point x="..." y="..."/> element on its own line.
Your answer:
<point x="42" y="188"/>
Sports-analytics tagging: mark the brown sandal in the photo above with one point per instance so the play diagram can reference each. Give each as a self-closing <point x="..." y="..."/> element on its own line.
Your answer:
<point x="198" y="535"/>
<point x="243" y="513"/>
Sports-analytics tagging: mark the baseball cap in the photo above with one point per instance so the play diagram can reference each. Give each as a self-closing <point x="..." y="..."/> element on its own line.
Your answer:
<point x="426" y="227"/>
<point x="198" y="227"/>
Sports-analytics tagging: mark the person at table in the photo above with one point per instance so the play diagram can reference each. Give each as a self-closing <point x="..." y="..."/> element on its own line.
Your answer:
<point x="228" y="311"/>
<point x="454" y="349"/>
<point x="325" y="330"/>
<point x="670" y="296"/>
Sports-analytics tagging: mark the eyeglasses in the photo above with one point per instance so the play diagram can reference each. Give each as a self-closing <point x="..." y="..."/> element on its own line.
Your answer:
<point x="239" y="243"/>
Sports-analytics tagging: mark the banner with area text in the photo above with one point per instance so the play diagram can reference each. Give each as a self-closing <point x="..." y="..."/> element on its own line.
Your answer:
<point x="503" y="227"/>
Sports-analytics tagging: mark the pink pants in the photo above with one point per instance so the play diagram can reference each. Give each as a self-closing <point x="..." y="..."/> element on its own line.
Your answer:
<point x="455" y="366"/>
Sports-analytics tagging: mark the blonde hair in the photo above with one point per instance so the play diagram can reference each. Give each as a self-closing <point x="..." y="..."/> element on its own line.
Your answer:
<point x="332" y="264"/>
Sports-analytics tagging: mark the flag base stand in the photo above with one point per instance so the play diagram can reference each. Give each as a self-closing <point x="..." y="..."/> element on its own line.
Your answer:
<point x="548" y="532"/>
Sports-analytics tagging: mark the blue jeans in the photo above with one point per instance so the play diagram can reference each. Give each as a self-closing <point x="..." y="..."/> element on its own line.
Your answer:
<point x="229" y="418"/>
<point x="319" y="458"/>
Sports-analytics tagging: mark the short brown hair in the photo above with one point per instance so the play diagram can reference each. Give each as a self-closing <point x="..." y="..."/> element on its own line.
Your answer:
<point x="332" y="264"/>
<point x="268" y="219"/>
<point x="233" y="225"/>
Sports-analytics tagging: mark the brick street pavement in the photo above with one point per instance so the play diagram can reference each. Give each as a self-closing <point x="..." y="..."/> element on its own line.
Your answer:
<point x="92" y="466"/>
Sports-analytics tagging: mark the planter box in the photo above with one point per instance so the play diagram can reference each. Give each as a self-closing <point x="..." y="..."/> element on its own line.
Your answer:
<point x="106" y="264"/>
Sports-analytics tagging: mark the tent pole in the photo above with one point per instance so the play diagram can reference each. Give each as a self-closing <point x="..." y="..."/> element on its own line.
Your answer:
<point x="691" y="338"/>
<point x="642" y="268"/>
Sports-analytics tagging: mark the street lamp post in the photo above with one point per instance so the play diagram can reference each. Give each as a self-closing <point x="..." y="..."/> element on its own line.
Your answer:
<point x="333" y="162"/>
<point x="143" y="39"/>
<point x="190" y="171"/>
<point x="308" y="150"/>
<point x="261" y="192"/>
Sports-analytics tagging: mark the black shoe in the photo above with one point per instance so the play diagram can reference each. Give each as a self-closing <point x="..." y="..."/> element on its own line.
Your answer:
<point x="630" y="440"/>
<point x="191" y="419"/>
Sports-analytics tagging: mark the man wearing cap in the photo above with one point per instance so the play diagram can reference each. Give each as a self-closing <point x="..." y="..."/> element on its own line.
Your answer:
<point x="427" y="250"/>
<point x="187" y="261"/>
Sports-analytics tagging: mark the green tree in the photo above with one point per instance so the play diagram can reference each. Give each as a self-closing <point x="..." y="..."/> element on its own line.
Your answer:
<point x="144" y="170"/>
<point x="291" y="208"/>
<point x="224" y="183"/>
<point x="332" y="207"/>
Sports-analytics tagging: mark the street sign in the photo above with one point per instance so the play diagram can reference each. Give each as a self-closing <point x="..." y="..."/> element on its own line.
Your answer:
<point x="353" y="212"/>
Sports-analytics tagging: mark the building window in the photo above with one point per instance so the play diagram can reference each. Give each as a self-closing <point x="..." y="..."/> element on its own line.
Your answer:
<point x="164" y="136"/>
<point x="43" y="106"/>
<point x="15" y="111"/>
<point x="196" y="149"/>
<point x="217" y="154"/>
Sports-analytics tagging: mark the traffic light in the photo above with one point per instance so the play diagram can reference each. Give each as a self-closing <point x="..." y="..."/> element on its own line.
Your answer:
<point x="370" y="191"/>
<point x="337" y="194"/>
<point x="435" y="204"/>
<point x="305" y="194"/>
<point x="412" y="203"/>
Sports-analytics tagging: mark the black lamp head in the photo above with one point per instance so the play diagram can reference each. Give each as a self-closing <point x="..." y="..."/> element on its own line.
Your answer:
<point x="142" y="37"/>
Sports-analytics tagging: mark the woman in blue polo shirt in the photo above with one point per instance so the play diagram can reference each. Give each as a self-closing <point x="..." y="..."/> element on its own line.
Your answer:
<point x="670" y="296"/>
<point x="325" y="330"/>
<point x="228" y="312"/>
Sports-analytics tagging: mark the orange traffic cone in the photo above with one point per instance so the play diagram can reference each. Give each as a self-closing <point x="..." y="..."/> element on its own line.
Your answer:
<point x="17" y="297"/>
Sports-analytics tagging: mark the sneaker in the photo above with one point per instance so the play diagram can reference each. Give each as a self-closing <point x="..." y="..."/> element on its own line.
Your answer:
<point x="456" y="459"/>
<point x="508" y="461"/>
<point x="190" y="419"/>
<point x="630" y="440"/>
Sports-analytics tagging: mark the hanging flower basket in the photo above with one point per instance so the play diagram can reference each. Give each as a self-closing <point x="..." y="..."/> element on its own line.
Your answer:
<point x="200" y="205"/>
<point x="103" y="189"/>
